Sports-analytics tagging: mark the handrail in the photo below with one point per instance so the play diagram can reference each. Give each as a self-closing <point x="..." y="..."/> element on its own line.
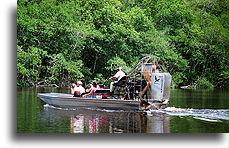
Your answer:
<point x="140" y="62"/>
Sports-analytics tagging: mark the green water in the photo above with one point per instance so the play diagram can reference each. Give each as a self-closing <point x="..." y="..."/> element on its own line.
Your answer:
<point x="35" y="116"/>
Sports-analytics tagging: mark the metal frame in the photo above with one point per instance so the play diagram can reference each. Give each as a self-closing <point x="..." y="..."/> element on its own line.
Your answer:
<point x="132" y="89"/>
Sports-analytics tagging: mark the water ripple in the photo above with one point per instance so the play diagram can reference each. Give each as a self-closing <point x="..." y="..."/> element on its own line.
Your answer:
<point x="47" y="106"/>
<point x="212" y="115"/>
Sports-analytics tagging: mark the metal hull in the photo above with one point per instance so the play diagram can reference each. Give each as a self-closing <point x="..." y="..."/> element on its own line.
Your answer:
<point x="67" y="100"/>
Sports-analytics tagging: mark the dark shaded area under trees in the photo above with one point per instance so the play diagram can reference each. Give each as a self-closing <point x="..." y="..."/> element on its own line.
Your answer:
<point x="62" y="41"/>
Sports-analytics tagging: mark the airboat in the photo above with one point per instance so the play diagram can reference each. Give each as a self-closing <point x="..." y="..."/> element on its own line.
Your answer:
<point x="146" y="86"/>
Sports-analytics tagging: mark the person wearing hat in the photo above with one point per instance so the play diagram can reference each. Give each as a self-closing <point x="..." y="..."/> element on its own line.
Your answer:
<point x="77" y="89"/>
<point x="119" y="75"/>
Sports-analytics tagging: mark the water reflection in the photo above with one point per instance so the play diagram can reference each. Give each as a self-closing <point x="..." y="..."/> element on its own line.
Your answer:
<point x="119" y="122"/>
<point x="159" y="123"/>
<point x="85" y="124"/>
<point x="77" y="124"/>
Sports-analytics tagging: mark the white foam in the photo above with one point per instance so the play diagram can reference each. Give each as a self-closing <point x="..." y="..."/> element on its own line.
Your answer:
<point x="211" y="115"/>
<point x="94" y="109"/>
<point x="206" y="119"/>
<point x="58" y="108"/>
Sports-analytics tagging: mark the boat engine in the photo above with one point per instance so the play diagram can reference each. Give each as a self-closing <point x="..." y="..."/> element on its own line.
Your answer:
<point x="149" y="82"/>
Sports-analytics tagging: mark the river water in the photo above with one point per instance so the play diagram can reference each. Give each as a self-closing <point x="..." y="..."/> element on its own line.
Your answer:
<point x="189" y="111"/>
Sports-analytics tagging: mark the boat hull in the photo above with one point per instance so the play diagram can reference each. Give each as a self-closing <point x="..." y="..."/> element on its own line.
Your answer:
<point x="68" y="101"/>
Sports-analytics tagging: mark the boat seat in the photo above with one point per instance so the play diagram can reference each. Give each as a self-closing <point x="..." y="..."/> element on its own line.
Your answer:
<point x="121" y="82"/>
<point x="102" y="91"/>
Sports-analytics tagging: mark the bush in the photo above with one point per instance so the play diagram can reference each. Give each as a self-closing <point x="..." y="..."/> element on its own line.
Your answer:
<point x="201" y="83"/>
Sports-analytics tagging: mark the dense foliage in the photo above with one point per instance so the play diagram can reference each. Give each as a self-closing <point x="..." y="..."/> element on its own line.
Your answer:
<point x="62" y="41"/>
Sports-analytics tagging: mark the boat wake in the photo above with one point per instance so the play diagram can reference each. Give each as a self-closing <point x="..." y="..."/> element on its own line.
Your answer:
<point x="211" y="115"/>
<point x="47" y="106"/>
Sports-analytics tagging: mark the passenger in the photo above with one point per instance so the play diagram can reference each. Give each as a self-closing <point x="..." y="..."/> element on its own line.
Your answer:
<point x="77" y="89"/>
<point x="91" y="91"/>
<point x="119" y="75"/>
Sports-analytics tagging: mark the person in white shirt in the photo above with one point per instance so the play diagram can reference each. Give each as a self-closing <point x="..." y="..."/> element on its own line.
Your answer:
<point x="119" y="75"/>
<point x="77" y="89"/>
